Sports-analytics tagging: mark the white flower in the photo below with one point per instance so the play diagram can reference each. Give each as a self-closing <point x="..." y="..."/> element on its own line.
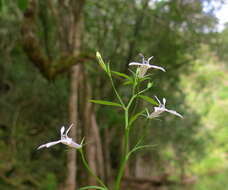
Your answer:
<point x="159" y="110"/>
<point x="64" y="139"/>
<point x="145" y="65"/>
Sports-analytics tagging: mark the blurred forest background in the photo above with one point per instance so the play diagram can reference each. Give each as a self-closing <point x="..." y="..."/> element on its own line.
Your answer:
<point x="48" y="73"/>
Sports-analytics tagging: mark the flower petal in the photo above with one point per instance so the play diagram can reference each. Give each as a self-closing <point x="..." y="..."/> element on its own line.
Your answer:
<point x="150" y="58"/>
<point x="158" y="100"/>
<point x="157" y="67"/>
<point x="136" y="63"/>
<point x="164" y="101"/>
<point x="47" y="145"/>
<point x="174" y="113"/>
<point x="62" y="130"/>
<point x="69" y="129"/>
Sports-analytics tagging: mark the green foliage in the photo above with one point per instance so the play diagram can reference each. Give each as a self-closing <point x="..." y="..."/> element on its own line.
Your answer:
<point x="209" y="78"/>
<point x="215" y="180"/>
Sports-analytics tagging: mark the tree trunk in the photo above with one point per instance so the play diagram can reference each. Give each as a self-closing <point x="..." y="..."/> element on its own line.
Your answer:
<point x="75" y="31"/>
<point x="69" y="15"/>
<point x="94" y="148"/>
<point x="73" y="117"/>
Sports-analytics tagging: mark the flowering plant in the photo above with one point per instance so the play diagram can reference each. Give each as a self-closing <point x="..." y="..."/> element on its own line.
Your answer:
<point x="135" y="81"/>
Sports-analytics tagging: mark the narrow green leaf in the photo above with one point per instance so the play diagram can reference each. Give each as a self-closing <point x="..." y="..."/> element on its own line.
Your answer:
<point x="148" y="99"/>
<point x="134" y="117"/>
<point x="92" y="187"/>
<point x="144" y="78"/>
<point x="122" y="75"/>
<point x="108" y="103"/>
<point x="128" y="82"/>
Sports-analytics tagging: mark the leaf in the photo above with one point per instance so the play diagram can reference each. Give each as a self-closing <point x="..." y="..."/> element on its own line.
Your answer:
<point x="128" y="82"/>
<point x="92" y="187"/>
<point x="122" y="75"/>
<point x="108" y="103"/>
<point x="144" y="78"/>
<point x="134" y="117"/>
<point x="148" y="99"/>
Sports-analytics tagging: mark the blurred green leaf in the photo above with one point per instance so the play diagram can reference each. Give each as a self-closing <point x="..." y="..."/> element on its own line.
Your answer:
<point x="148" y="99"/>
<point x="144" y="78"/>
<point x="134" y="117"/>
<point x="128" y="82"/>
<point x="122" y="75"/>
<point x="108" y="103"/>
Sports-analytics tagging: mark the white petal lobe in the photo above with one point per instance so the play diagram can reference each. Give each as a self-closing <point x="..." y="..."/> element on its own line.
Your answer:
<point x="47" y="145"/>
<point x="62" y="130"/>
<point x="136" y="63"/>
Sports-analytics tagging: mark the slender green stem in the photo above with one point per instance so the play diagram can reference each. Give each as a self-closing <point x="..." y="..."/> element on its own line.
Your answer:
<point x="125" y="151"/>
<point x="117" y="94"/>
<point x="120" y="174"/>
<point x="130" y="102"/>
<point x="134" y="87"/>
<point x="123" y="162"/>
<point x="135" y="94"/>
<point x="90" y="170"/>
<point x="143" y="91"/>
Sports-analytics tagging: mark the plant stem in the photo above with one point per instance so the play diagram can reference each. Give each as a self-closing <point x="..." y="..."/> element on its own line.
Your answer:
<point x="125" y="152"/>
<point x="126" y="133"/>
<point x="90" y="170"/>
<point x="117" y="94"/>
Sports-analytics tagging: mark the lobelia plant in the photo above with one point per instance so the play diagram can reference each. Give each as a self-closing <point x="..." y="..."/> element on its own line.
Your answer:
<point x="135" y="81"/>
